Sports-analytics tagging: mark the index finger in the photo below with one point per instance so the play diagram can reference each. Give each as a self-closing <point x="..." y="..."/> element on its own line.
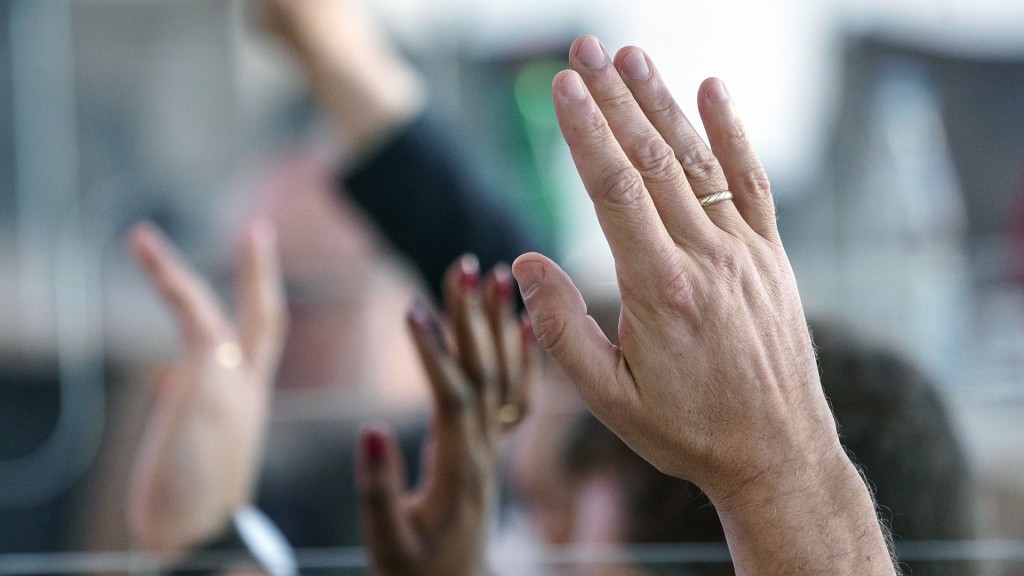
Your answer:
<point x="191" y="300"/>
<point x="635" y="232"/>
<point x="456" y="428"/>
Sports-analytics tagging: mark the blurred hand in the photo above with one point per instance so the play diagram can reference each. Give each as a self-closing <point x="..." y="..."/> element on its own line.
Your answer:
<point x="480" y="382"/>
<point x="715" y="380"/>
<point x="201" y="450"/>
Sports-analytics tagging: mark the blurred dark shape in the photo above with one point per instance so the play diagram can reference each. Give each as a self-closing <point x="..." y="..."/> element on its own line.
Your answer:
<point x="29" y="408"/>
<point x="981" y="101"/>
<point x="308" y="484"/>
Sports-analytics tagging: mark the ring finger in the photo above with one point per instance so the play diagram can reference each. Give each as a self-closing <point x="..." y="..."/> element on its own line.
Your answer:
<point x="648" y="151"/>
<point x="702" y="169"/>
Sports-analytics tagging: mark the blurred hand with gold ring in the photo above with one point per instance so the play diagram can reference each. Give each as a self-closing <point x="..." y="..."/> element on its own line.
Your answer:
<point x="202" y="445"/>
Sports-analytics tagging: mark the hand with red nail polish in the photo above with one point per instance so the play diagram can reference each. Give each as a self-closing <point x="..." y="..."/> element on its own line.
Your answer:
<point x="480" y="369"/>
<point x="715" y="379"/>
<point x="202" y="445"/>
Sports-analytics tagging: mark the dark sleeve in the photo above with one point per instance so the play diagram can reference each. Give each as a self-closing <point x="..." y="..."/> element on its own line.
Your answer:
<point x="423" y="196"/>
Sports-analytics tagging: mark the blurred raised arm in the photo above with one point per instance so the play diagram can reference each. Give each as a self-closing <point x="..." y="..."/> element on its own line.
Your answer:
<point x="408" y="173"/>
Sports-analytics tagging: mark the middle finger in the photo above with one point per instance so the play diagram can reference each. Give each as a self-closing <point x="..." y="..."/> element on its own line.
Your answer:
<point x="703" y="171"/>
<point x="649" y="153"/>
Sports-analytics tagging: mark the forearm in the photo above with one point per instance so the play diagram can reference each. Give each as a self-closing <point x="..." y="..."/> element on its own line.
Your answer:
<point x="818" y="518"/>
<point x="363" y="83"/>
<point x="366" y="106"/>
<point x="405" y="173"/>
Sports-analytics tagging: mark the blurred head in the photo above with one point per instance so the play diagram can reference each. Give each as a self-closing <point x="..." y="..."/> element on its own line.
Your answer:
<point x="893" y="421"/>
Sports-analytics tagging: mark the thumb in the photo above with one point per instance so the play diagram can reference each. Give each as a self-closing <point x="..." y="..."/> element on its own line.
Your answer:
<point x="571" y="337"/>
<point x="390" y="541"/>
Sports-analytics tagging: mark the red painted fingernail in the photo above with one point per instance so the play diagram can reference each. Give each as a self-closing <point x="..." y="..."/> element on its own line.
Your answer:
<point x="374" y="445"/>
<point x="470" y="273"/>
<point x="503" y="284"/>
<point x="423" y="318"/>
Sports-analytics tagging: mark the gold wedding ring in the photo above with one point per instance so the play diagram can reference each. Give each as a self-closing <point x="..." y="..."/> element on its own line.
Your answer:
<point x="508" y="414"/>
<point x="715" y="198"/>
<point x="228" y="354"/>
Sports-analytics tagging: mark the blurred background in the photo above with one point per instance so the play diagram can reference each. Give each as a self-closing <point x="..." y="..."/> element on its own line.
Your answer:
<point x="893" y="133"/>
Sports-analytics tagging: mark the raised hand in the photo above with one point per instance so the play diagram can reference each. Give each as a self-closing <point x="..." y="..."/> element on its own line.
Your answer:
<point x="199" y="456"/>
<point x="480" y="378"/>
<point x="715" y="379"/>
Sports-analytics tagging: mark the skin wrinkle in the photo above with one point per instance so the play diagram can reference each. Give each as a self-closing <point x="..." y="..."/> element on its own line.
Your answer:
<point x="698" y="163"/>
<point x="622" y="185"/>
<point x="656" y="163"/>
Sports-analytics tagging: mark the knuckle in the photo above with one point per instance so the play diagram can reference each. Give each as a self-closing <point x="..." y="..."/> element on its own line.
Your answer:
<point x="725" y="262"/>
<point x="755" y="183"/>
<point x="736" y="134"/>
<point x="655" y="159"/>
<point x="676" y="291"/>
<point x="593" y="129"/>
<point x="621" y="184"/>
<point x="616" y="97"/>
<point x="550" y="331"/>
<point x="663" y="105"/>
<point x="727" y="266"/>
<point x="699" y="163"/>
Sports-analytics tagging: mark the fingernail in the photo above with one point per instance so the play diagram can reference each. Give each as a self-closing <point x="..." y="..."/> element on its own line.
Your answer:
<point x="529" y="276"/>
<point x="571" y="86"/>
<point x="503" y="284"/>
<point x="634" y="65"/>
<point x="419" y="313"/>
<point x="590" y="53"/>
<point x="425" y="321"/>
<point x="716" y="91"/>
<point x="373" y="447"/>
<point x="470" y="268"/>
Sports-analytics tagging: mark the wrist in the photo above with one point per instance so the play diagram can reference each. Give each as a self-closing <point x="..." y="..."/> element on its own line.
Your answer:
<point x="817" y="475"/>
<point x="817" y="515"/>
